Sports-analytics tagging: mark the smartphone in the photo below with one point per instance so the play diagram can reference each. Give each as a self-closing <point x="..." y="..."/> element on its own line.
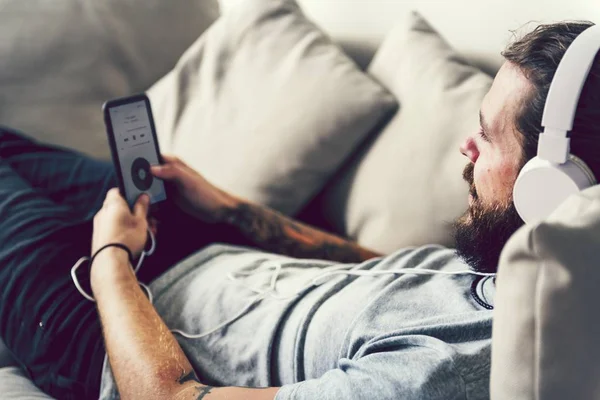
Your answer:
<point x="134" y="148"/>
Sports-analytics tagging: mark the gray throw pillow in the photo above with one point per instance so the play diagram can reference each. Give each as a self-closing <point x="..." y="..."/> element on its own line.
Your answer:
<point x="266" y="106"/>
<point x="61" y="59"/>
<point x="14" y="385"/>
<point x="546" y="326"/>
<point x="406" y="187"/>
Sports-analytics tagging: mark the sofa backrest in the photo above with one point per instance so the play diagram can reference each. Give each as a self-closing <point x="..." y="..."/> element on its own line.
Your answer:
<point x="477" y="29"/>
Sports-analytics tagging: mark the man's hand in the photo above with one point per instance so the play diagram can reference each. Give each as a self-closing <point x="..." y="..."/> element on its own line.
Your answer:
<point x="195" y="195"/>
<point x="258" y="224"/>
<point x="115" y="223"/>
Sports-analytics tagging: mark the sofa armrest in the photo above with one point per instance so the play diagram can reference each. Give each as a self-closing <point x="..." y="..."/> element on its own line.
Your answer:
<point x="546" y="326"/>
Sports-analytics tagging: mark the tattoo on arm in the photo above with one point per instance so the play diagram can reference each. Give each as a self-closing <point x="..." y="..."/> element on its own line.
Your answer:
<point x="191" y="376"/>
<point x="280" y="234"/>
<point x="203" y="391"/>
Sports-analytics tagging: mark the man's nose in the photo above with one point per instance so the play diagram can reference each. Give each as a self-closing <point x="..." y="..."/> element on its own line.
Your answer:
<point x="469" y="149"/>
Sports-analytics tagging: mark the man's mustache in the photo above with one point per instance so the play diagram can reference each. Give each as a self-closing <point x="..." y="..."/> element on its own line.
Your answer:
<point x="468" y="177"/>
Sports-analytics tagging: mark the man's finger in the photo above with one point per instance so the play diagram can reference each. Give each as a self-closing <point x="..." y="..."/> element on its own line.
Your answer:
<point x="166" y="171"/>
<point x="141" y="206"/>
<point x="112" y="195"/>
<point x="113" y="192"/>
<point x="171" y="159"/>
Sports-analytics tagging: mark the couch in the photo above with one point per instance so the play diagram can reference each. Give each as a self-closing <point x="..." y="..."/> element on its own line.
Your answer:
<point x="50" y="78"/>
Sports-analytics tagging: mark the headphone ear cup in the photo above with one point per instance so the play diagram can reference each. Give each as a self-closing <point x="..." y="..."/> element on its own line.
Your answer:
<point x="584" y="168"/>
<point x="542" y="186"/>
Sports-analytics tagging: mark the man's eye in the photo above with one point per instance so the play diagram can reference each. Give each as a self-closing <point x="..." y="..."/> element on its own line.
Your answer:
<point x="483" y="135"/>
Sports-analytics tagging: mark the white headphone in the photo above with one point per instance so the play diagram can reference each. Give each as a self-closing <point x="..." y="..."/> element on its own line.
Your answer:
<point x="555" y="174"/>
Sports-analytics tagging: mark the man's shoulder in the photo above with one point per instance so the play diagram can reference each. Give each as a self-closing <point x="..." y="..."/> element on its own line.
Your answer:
<point x="430" y="256"/>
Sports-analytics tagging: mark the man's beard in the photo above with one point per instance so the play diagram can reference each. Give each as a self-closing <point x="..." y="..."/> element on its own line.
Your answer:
<point x="481" y="233"/>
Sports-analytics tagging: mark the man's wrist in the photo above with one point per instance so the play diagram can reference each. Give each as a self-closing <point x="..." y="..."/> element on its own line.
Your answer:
<point x="229" y="214"/>
<point x="110" y="262"/>
<point x="229" y="210"/>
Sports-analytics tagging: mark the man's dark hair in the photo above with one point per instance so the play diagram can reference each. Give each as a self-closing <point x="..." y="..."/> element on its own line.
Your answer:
<point x="537" y="54"/>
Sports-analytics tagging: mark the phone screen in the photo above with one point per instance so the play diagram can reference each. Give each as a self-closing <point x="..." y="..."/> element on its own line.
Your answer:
<point x="136" y="149"/>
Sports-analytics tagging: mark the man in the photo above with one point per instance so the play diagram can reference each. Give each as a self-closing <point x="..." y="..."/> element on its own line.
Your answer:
<point x="269" y="334"/>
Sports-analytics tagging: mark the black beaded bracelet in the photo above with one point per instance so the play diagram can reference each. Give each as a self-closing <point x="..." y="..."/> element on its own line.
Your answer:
<point x="119" y="245"/>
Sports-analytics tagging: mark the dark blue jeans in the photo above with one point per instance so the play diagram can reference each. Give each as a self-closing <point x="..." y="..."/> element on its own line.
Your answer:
<point x="48" y="198"/>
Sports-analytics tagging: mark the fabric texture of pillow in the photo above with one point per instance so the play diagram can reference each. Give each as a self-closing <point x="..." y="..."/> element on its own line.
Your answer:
<point x="14" y="385"/>
<point x="61" y="60"/>
<point x="546" y="326"/>
<point x="406" y="186"/>
<point x="266" y="106"/>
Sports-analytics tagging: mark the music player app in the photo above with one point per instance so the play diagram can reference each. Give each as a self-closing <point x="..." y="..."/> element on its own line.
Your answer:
<point x="136" y="151"/>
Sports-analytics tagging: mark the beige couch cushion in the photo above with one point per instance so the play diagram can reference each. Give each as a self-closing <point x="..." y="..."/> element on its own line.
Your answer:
<point x="61" y="59"/>
<point x="406" y="187"/>
<point x="266" y="106"/>
<point x="14" y="385"/>
<point x="546" y="335"/>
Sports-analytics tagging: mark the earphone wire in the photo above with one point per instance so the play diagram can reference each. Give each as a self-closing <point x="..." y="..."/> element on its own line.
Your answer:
<point x="270" y="291"/>
<point x="262" y="294"/>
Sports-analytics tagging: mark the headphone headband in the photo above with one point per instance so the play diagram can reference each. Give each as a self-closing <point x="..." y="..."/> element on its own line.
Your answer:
<point x="564" y="93"/>
<point x="550" y="178"/>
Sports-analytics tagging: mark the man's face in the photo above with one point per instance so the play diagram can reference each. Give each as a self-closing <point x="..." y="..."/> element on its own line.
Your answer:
<point x="495" y="158"/>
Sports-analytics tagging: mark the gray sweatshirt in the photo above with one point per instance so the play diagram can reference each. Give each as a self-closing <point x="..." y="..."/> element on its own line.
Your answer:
<point x="382" y="337"/>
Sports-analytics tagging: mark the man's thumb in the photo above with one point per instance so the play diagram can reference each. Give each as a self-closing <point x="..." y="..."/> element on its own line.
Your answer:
<point x="141" y="206"/>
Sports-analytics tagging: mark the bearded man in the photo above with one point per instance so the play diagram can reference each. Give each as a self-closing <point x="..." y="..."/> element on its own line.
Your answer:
<point x="301" y="314"/>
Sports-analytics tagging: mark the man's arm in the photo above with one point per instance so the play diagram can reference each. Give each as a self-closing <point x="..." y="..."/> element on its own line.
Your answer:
<point x="259" y="225"/>
<point x="277" y="233"/>
<point x="145" y="358"/>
